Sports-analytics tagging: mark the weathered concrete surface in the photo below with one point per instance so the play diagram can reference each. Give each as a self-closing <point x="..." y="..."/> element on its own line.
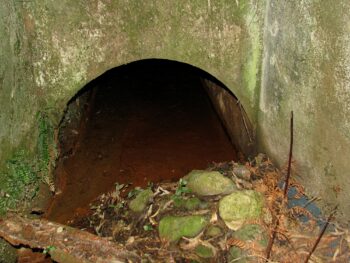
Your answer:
<point x="18" y="97"/>
<point x="71" y="43"/>
<point x="51" y="49"/>
<point x="77" y="42"/>
<point x="306" y="68"/>
<point x="233" y="116"/>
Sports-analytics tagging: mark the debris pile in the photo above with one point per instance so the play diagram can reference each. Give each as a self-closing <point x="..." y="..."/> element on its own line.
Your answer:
<point x="227" y="213"/>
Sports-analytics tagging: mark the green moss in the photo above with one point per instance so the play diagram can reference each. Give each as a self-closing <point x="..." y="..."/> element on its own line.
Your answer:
<point x="25" y="169"/>
<point x="140" y="202"/>
<point x="240" y="206"/>
<point x="8" y="253"/>
<point x="207" y="183"/>
<point x="204" y="251"/>
<point x="46" y="146"/>
<point x="237" y="255"/>
<point x="214" y="231"/>
<point x="252" y="233"/>
<point x="172" y="228"/>
<point x="188" y="204"/>
<point x="19" y="182"/>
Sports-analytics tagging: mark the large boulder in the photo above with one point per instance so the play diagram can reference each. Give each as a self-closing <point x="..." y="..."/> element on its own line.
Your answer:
<point x="172" y="228"/>
<point x="239" y="207"/>
<point x="209" y="183"/>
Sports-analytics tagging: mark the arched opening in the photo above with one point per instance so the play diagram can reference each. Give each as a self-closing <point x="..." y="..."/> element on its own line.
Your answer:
<point x="140" y="123"/>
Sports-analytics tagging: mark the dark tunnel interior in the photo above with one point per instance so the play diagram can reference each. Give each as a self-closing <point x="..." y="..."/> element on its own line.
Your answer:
<point x="143" y="122"/>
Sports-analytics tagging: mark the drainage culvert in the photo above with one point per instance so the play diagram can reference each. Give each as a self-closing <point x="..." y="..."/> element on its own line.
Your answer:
<point x="150" y="172"/>
<point x="146" y="122"/>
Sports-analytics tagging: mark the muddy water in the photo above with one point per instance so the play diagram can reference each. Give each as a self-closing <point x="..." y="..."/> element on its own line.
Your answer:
<point x="147" y="124"/>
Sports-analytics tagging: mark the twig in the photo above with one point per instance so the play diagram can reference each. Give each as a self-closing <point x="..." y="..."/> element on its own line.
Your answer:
<point x="272" y="240"/>
<point x="311" y="201"/>
<point x="320" y="235"/>
<point x="290" y="156"/>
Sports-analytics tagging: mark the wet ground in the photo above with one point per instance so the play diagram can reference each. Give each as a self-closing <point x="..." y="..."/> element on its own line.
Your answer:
<point x="147" y="123"/>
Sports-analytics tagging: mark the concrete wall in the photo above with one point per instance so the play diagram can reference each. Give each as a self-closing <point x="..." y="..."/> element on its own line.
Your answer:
<point x="233" y="116"/>
<point x="306" y="68"/>
<point x="51" y="49"/>
<point x="72" y="42"/>
<point x="18" y="96"/>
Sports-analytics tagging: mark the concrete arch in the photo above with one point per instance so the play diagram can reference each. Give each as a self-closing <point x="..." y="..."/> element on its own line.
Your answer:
<point x="229" y="108"/>
<point x="221" y="37"/>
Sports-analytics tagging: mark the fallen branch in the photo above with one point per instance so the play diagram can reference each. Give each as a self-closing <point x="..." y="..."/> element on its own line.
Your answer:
<point x="63" y="243"/>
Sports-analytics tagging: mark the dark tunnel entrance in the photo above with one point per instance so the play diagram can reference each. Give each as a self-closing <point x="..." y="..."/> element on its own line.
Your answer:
<point x="147" y="121"/>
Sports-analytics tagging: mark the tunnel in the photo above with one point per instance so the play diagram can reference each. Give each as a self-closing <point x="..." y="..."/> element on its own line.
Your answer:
<point x="144" y="122"/>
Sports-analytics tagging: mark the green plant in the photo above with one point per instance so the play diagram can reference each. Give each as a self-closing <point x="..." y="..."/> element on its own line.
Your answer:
<point x="134" y="192"/>
<point x="147" y="228"/>
<point x="48" y="249"/>
<point x="19" y="182"/>
<point x="46" y="148"/>
<point x="182" y="188"/>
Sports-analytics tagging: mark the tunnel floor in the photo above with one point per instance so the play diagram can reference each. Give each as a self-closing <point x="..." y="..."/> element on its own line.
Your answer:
<point x="146" y="124"/>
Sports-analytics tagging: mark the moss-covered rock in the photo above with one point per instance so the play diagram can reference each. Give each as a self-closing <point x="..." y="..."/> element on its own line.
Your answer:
<point x="254" y="233"/>
<point x="204" y="251"/>
<point x="140" y="202"/>
<point x="213" y="231"/>
<point x="237" y="255"/>
<point x="189" y="204"/>
<point x="172" y="228"/>
<point x="240" y="206"/>
<point x="7" y="252"/>
<point x="208" y="183"/>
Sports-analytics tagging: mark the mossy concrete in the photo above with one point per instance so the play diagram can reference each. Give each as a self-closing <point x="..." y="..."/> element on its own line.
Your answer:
<point x="51" y="49"/>
<point x="18" y="99"/>
<point x="274" y="56"/>
<point x="306" y="69"/>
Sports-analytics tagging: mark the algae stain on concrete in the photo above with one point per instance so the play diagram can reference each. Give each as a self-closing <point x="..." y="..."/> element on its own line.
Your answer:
<point x="305" y="69"/>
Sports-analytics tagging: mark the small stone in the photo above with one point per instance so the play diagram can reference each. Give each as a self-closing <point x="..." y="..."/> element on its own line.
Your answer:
<point x="59" y="230"/>
<point x="254" y="233"/>
<point x="204" y="251"/>
<point x="189" y="204"/>
<point x="260" y="158"/>
<point x="172" y="228"/>
<point x="236" y="254"/>
<point x="213" y="231"/>
<point x="240" y="206"/>
<point x="140" y="202"/>
<point x="209" y="183"/>
<point x="242" y="172"/>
